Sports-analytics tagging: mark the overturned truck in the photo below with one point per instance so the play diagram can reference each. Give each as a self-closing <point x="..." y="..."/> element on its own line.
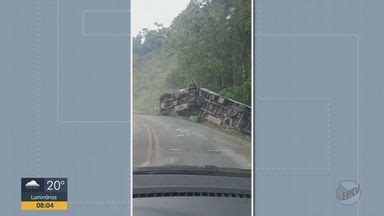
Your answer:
<point x="208" y="105"/>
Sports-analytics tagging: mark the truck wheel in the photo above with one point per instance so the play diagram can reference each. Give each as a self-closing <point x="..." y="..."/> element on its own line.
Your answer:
<point x="227" y="122"/>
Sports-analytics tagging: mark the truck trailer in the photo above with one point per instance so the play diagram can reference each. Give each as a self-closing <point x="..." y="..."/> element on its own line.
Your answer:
<point x="208" y="105"/>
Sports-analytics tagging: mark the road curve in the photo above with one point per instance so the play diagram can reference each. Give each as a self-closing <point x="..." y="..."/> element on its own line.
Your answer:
<point x="163" y="140"/>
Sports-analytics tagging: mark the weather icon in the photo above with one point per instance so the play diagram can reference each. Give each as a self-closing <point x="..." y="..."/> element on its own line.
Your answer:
<point x="32" y="185"/>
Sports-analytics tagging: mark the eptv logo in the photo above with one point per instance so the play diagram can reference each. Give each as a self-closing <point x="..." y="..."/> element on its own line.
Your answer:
<point x="348" y="192"/>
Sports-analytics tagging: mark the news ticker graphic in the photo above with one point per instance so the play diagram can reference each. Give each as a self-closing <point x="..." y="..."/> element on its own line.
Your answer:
<point x="44" y="194"/>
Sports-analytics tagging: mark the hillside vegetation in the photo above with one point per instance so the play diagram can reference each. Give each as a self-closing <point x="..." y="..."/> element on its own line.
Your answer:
<point x="209" y="43"/>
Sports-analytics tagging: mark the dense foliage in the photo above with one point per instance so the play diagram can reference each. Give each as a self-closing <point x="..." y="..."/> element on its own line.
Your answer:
<point x="209" y="44"/>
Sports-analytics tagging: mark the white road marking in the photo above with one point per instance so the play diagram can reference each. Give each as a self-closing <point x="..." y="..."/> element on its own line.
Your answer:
<point x="175" y="149"/>
<point x="220" y="150"/>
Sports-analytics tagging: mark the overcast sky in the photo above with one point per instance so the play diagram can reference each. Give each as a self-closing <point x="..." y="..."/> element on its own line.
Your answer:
<point x="147" y="12"/>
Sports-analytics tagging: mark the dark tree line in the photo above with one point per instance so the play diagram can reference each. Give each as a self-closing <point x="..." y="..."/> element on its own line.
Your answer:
<point x="212" y="43"/>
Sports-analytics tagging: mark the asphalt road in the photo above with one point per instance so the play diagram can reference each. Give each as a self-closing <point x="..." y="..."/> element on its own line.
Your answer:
<point x="163" y="140"/>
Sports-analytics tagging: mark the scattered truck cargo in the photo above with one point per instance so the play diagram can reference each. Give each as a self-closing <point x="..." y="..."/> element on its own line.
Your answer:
<point x="207" y="105"/>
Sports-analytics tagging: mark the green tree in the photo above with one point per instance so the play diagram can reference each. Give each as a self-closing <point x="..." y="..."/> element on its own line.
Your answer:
<point x="209" y="44"/>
